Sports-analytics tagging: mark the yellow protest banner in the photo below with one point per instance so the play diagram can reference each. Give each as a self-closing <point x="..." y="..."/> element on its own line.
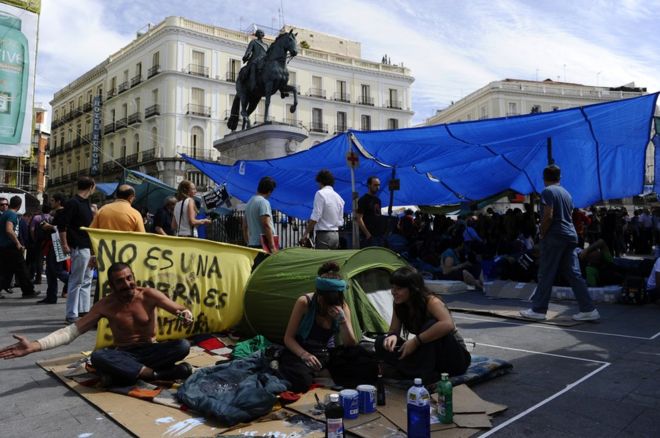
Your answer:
<point x="207" y="277"/>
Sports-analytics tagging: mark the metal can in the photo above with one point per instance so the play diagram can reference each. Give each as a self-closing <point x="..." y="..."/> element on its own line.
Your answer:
<point x="350" y="403"/>
<point x="366" y="398"/>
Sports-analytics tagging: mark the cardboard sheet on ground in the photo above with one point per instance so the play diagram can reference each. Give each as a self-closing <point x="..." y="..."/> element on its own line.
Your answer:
<point x="553" y="317"/>
<point x="207" y="277"/>
<point x="142" y="418"/>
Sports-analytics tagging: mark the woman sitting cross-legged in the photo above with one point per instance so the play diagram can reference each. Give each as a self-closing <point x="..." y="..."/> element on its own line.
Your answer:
<point x="433" y="345"/>
<point x="318" y="322"/>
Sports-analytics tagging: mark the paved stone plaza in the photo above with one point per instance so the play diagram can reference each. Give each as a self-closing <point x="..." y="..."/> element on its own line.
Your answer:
<point x="590" y="380"/>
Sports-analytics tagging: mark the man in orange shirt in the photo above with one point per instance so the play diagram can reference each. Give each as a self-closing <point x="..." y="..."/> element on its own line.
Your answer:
<point x="120" y="215"/>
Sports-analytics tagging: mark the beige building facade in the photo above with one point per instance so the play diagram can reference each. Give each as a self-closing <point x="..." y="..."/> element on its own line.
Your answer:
<point x="170" y="91"/>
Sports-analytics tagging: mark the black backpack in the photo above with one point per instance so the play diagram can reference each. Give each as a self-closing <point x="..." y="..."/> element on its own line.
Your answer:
<point x="634" y="290"/>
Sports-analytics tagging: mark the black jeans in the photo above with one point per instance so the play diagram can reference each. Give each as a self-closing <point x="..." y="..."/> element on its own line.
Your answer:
<point x="13" y="263"/>
<point x="124" y="364"/>
<point x="444" y="355"/>
<point x="54" y="271"/>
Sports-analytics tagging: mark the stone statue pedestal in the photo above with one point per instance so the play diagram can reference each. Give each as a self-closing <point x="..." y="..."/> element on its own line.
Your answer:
<point x="262" y="142"/>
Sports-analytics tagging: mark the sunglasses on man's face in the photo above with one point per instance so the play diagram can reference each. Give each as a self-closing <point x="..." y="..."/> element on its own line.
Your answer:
<point x="4" y="205"/>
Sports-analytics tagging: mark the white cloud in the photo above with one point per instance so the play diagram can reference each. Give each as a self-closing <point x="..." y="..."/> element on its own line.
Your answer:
<point x="452" y="48"/>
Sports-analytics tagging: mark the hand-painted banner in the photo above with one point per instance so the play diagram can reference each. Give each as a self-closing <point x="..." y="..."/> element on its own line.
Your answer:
<point x="207" y="277"/>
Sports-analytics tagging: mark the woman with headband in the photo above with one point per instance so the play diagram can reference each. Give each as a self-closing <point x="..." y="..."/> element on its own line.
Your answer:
<point x="319" y="321"/>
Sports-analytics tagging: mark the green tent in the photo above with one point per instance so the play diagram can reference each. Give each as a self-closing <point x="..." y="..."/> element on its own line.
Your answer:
<point x="280" y="279"/>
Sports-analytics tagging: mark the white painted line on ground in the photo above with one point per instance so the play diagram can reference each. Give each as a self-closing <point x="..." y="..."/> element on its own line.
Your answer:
<point x="552" y="397"/>
<point x="548" y="327"/>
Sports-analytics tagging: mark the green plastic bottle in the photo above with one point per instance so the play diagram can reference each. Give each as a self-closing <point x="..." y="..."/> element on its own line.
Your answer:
<point x="14" y="68"/>
<point x="445" y="400"/>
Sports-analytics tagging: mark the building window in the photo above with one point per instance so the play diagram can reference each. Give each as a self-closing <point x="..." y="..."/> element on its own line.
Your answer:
<point x="365" y="122"/>
<point x="394" y="101"/>
<point x="535" y="109"/>
<point x="513" y="109"/>
<point x="317" y="120"/>
<point x="341" y="122"/>
<point x="341" y="94"/>
<point x="392" y="123"/>
<point x="365" y="97"/>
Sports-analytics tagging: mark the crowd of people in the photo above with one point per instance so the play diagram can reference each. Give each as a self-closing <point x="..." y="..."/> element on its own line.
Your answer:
<point x="557" y="244"/>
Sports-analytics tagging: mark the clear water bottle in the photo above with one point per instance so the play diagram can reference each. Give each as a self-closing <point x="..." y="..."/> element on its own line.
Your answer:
<point x="334" y="418"/>
<point x="419" y="411"/>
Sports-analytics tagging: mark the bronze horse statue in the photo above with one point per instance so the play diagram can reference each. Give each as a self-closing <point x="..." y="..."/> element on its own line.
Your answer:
<point x="272" y="76"/>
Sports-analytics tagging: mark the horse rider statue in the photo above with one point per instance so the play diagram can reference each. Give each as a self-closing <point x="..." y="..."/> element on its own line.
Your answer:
<point x="255" y="51"/>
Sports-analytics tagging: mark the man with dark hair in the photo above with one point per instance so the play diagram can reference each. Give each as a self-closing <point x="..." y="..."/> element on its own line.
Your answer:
<point x="78" y="213"/>
<point x="258" y="218"/>
<point x="54" y="270"/>
<point x="163" y="217"/>
<point x="558" y="243"/>
<point x="368" y="216"/>
<point x="131" y="314"/>
<point x="11" y="249"/>
<point x="327" y="213"/>
<point x="120" y="214"/>
<point x="4" y="205"/>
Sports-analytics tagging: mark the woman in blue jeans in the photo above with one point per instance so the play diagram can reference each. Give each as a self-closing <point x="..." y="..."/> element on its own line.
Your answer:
<point x="422" y="339"/>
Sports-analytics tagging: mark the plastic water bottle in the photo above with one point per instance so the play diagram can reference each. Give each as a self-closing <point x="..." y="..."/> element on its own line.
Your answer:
<point x="419" y="411"/>
<point x="445" y="400"/>
<point x="334" y="418"/>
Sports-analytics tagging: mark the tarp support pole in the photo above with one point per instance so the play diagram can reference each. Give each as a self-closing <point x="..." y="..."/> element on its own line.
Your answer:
<point x="550" y="159"/>
<point x="389" y="208"/>
<point x="354" y="200"/>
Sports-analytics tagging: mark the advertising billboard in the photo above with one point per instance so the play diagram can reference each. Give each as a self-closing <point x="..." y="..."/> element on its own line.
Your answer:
<point x="18" y="55"/>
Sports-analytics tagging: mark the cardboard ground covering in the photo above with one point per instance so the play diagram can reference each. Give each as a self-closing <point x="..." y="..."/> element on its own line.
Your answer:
<point x="146" y="418"/>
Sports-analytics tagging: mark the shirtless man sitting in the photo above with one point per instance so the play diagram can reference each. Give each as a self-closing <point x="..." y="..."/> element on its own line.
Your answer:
<point x="131" y="313"/>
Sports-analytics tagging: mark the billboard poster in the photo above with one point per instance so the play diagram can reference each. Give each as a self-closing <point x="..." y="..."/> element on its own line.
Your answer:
<point x="18" y="43"/>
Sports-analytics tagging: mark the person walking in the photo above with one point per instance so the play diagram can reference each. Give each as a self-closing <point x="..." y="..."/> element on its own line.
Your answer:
<point x="164" y="216"/>
<point x="184" y="221"/>
<point x="78" y="213"/>
<point x="54" y="270"/>
<point x="258" y="219"/>
<point x="368" y="216"/>
<point x="327" y="213"/>
<point x="11" y="249"/>
<point x="558" y="242"/>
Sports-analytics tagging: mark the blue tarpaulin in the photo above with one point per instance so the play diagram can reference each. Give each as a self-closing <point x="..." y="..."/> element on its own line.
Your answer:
<point x="600" y="148"/>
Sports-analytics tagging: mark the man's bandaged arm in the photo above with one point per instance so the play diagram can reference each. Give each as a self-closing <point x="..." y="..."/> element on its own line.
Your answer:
<point x="60" y="337"/>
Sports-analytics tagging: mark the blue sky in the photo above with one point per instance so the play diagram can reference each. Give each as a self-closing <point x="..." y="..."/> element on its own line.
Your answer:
<point x="452" y="47"/>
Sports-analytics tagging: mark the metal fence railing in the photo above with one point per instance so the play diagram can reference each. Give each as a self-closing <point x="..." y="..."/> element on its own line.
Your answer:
<point x="229" y="229"/>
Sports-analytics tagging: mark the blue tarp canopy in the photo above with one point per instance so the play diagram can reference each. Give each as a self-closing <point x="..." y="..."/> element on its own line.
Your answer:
<point x="601" y="149"/>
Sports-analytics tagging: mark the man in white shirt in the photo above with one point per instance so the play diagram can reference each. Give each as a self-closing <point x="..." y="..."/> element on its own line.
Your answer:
<point x="327" y="214"/>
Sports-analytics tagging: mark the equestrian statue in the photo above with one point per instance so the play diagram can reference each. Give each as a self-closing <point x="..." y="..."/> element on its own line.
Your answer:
<point x="264" y="75"/>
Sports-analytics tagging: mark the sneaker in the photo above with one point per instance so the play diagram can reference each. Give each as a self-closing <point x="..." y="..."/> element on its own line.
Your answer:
<point x="530" y="314"/>
<point x="34" y="294"/>
<point x="46" y="301"/>
<point x="70" y="320"/>
<point x="587" y="316"/>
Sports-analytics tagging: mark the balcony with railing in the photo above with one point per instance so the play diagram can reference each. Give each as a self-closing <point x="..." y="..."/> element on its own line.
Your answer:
<point x="153" y="110"/>
<point x="153" y="71"/>
<point x="109" y="128"/>
<point x="110" y="166"/>
<point x="342" y="97"/>
<point x="135" y="118"/>
<point x="132" y="159"/>
<point x="365" y="100"/>
<point x="318" y="127"/>
<point x="148" y="155"/>
<point x="196" y="152"/>
<point x="198" y="110"/>
<point x="67" y="146"/>
<point x="121" y="123"/>
<point x="112" y="92"/>
<point x="76" y="142"/>
<point x="122" y="87"/>
<point x="87" y="107"/>
<point x="198" y="70"/>
<point x="136" y="80"/>
<point x="394" y="104"/>
<point x="232" y="76"/>
<point x="316" y="92"/>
